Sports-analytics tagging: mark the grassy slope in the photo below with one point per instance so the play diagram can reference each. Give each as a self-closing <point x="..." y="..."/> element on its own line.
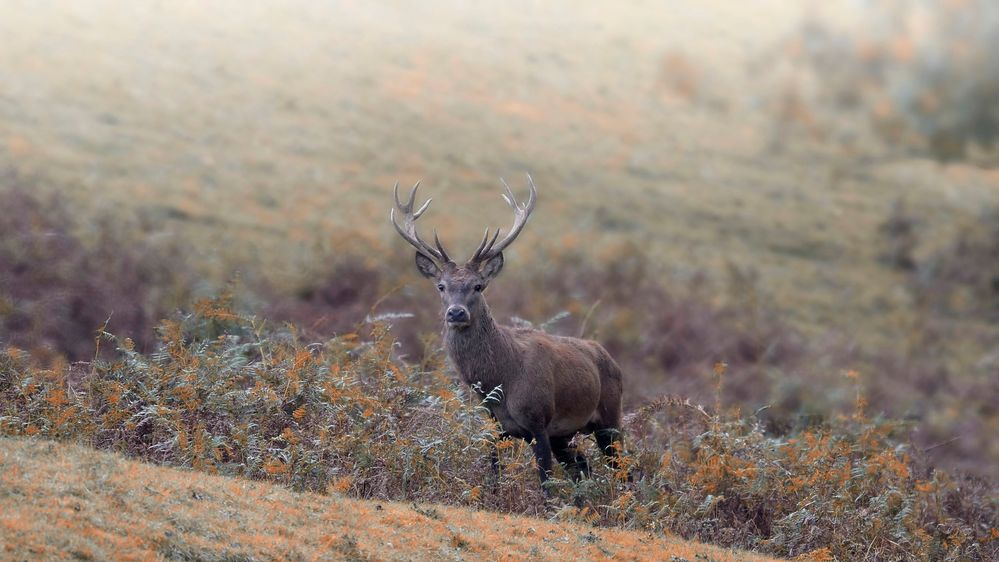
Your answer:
<point x="60" y="501"/>
<point x="272" y="130"/>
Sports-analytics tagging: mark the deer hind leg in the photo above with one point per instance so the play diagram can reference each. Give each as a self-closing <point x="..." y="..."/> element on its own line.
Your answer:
<point x="575" y="463"/>
<point x="609" y="441"/>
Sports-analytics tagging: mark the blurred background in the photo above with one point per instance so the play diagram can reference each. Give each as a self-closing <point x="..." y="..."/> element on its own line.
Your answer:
<point x="797" y="189"/>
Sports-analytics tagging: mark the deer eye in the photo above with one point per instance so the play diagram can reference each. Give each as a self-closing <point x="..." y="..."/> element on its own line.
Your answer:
<point x="478" y="288"/>
<point x="440" y="287"/>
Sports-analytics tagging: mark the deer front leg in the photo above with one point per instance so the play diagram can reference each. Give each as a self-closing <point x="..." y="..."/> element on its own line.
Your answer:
<point x="575" y="463"/>
<point x="532" y="414"/>
<point x="609" y="441"/>
<point x="543" y="456"/>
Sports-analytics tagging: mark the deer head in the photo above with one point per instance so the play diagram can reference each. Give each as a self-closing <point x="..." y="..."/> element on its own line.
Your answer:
<point x="461" y="286"/>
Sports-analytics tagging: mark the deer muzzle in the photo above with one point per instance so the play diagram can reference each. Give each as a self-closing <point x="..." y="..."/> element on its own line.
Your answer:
<point x="457" y="316"/>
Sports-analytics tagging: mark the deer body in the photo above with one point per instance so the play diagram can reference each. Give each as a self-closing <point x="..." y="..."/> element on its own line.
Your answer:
<point x="552" y="387"/>
<point x="565" y="385"/>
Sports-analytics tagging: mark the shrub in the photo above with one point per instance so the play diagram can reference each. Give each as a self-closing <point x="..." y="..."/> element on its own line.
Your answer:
<point x="849" y="487"/>
<point x="226" y="396"/>
<point x="58" y="288"/>
<point x="223" y="394"/>
<point x="667" y="335"/>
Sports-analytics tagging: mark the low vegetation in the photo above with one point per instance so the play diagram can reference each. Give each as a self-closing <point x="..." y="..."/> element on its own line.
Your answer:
<point x="60" y="281"/>
<point x="226" y="394"/>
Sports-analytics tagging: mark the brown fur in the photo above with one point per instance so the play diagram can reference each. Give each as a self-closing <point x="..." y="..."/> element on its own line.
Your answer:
<point x="552" y="387"/>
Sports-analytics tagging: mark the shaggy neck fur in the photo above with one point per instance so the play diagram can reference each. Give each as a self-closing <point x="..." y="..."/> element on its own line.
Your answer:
<point x="482" y="352"/>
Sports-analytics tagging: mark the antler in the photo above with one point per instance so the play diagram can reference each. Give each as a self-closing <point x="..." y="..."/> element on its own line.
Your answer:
<point x="490" y="248"/>
<point x="408" y="228"/>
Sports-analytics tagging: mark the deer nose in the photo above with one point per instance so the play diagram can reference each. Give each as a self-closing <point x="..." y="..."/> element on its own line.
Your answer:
<point x="457" y="315"/>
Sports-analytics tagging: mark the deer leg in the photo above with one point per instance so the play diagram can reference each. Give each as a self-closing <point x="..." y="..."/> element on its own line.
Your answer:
<point x="534" y="417"/>
<point x="543" y="455"/>
<point x="575" y="463"/>
<point x="609" y="441"/>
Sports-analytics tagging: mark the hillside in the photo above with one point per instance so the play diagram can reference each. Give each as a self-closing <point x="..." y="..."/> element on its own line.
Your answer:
<point x="65" y="502"/>
<point x="266" y="141"/>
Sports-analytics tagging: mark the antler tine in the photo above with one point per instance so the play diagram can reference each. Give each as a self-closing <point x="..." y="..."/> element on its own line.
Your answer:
<point x="440" y="247"/>
<point x="520" y="215"/>
<point x="508" y="196"/>
<point x="408" y="228"/>
<point x="531" y="198"/>
<point x="482" y="245"/>
<point x="485" y="245"/>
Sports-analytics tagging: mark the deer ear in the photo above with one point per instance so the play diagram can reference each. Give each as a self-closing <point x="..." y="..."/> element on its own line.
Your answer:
<point x="427" y="266"/>
<point x="492" y="267"/>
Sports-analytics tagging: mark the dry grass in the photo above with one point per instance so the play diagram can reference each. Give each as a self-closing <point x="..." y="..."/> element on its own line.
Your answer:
<point x="66" y="502"/>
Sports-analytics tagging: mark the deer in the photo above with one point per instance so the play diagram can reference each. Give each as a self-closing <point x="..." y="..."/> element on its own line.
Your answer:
<point x="539" y="387"/>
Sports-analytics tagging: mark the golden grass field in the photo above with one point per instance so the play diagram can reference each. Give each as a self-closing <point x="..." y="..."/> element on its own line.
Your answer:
<point x="60" y="502"/>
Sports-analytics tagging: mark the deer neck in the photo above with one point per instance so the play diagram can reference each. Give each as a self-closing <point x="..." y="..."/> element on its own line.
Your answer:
<point x="483" y="352"/>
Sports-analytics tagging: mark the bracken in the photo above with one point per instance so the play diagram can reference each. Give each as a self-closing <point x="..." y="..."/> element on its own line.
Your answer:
<point x="224" y="394"/>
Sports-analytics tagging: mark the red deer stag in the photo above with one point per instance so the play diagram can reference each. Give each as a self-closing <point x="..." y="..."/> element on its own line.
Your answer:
<point x="551" y="387"/>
